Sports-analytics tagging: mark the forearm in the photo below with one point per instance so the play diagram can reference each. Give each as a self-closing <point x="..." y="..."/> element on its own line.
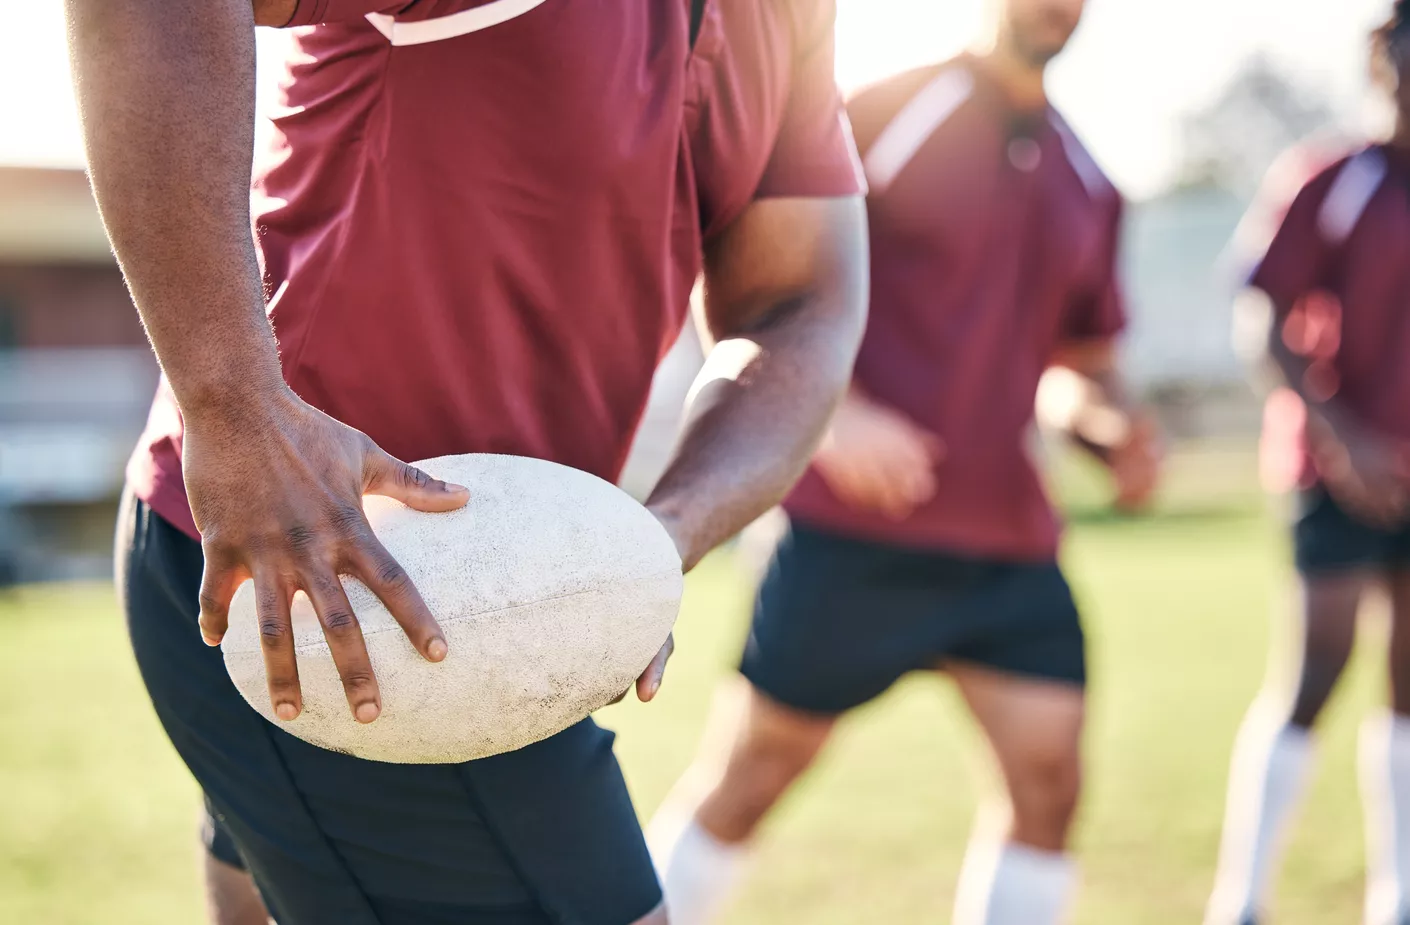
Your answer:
<point x="1274" y="364"/>
<point x="166" y="95"/>
<point x="1085" y="397"/>
<point x="786" y="297"/>
<point x="749" y="436"/>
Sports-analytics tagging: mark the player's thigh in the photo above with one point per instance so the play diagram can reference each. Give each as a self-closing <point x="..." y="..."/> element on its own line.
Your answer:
<point x="1033" y="724"/>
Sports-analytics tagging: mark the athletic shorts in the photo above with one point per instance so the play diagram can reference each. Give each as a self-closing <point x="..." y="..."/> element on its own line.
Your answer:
<point x="1326" y="539"/>
<point x="546" y="834"/>
<point x="838" y="620"/>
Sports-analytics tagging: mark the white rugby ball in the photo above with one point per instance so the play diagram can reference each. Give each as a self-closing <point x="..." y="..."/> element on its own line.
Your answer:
<point x="554" y="589"/>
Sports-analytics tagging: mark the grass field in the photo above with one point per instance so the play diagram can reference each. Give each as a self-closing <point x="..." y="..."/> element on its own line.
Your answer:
<point x="98" y="818"/>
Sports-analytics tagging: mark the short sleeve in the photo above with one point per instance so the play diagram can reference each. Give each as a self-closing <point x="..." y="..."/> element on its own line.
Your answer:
<point x="814" y="153"/>
<point x="314" y="12"/>
<point x="1283" y="244"/>
<point x="1098" y="312"/>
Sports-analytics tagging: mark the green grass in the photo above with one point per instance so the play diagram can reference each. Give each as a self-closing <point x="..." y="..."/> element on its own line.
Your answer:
<point x="98" y="818"/>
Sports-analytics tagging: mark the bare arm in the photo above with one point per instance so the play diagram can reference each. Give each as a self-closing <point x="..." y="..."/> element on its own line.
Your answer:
<point x="1365" y="470"/>
<point x="1085" y="397"/>
<point x="785" y="302"/>
<point x="166" y="94"/>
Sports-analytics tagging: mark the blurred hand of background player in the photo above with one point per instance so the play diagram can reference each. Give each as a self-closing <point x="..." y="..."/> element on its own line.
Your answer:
<point x="1136" y="464"/>
<point x="276" y="488"/>
<point x="876" y="458"/>
<point x="1367" y="473"/>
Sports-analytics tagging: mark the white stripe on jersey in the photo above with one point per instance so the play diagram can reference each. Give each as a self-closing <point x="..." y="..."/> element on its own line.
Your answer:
<point x="452" y="26"/>
<point x="1350" y="194"/>
<point x="1082" y="162"/>
<point x="917" y="121"/>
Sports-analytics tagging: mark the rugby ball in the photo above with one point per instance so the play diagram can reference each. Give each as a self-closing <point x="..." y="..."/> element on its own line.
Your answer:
<point x="554" y="589"/>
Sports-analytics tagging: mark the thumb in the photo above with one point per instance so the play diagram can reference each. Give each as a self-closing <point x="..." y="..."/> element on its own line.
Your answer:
<point x="392" y="478"/>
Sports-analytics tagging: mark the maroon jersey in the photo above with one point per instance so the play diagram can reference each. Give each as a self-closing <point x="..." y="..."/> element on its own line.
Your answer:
<point x="993" y="240"/>
<point x="480" y="220"/>
<point x="1330" y="244"/>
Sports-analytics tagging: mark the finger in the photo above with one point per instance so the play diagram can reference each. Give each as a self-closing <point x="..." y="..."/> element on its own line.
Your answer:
<point x="843" y="482"/>
<point x="650" y="681"/>
<point x="376" y="568"/>
<point x="384" y="475"/>
<point x="894" y="498"/>
<point x="218" y="583"/>
<point x="345" y="642"/>
<point x="918" y="481"/>
<point x="934" y="446"/>
<point x="276" y="636"/>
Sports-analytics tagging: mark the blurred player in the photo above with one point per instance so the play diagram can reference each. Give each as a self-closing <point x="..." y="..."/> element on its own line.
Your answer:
<point x="1327" y="312"/>
<point x="477" y="230"/>
<point x="921" y="539"/>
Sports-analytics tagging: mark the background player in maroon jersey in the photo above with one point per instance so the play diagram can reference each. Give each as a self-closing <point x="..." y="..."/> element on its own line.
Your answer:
<point x="921" y="537"/>
<point x="477" y="230"/>
<point x="1328" y="313"/>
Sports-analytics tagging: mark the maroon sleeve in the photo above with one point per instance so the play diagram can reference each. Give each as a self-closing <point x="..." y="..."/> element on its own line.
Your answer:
<point x="1099" y="311"/>
<point x="814" y="154"/>
<point x="312" y="12"/>
<point x="1297" y="258"/>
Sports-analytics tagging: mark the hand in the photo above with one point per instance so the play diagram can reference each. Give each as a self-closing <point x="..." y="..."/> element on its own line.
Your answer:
<point x="276" y="488"/>
<point x="1136" y="465"/>
<point x="650" y="680"/>
<point x="876" y="458"/>
<point x="1366" y="473"/>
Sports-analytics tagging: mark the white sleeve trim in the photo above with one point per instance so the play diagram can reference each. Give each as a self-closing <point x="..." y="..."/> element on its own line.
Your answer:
<point x="452" y="26"/>
<point x="916" y="122"/>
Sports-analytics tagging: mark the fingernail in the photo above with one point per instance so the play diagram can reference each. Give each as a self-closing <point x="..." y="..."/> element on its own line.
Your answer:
<point x="366" y="712"/>
<point x="210" y="639"/>
<point x="655" y="686"/>
<point x="287" y="712"/>
<point x="451" y="486"/>
<point x="436" y="649"/>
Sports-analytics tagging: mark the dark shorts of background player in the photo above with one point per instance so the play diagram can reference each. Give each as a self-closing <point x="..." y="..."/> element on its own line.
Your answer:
<point x="546" y="834"/>
<point x="838" y="620"/>
<point x="1328" y="540"/>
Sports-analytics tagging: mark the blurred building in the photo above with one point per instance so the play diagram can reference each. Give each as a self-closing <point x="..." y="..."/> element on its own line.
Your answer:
<point x="76" y="377"/>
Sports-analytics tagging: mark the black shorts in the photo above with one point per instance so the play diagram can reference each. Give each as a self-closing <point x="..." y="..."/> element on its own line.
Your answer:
<point x="546" y="834"/>
<point x="838" y="620"/>
<point x="1326" y="539"/>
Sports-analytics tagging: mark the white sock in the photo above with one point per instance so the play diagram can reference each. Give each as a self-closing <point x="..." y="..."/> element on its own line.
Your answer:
<point x="1012" y="884"/>
<point x="699" y="873"/>
<point x="1267" y="779"/>
<point x="1385" y="794"/>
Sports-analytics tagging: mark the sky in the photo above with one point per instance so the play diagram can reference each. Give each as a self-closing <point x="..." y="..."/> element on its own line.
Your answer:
<point x="1134" y="68"/>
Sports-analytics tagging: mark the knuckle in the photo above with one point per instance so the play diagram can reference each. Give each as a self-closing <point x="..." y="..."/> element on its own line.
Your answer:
<point x="273" y="631"/>
<point x="347" y="519"/>
<point x="210" y="603"/>
<point x="300" y="539"/>
<point x="357" y="678"/>
<point x="413" y="477"/>
<point x="389" y="574"/>
<point x="340" y="621"/>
